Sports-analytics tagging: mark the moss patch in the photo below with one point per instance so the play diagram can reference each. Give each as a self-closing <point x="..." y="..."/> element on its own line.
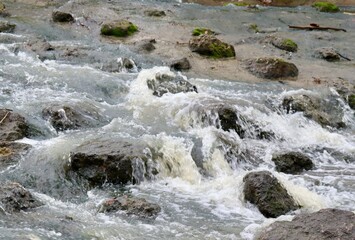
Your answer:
<point x="326" y="7"/>
<point x="119" y="29"/>
<point x="351" y="101"/>
<point x="285" y="44"/>
<point x="221" y="51"/>
<point x="253" y="27"/>
<point x="199" y="31"/>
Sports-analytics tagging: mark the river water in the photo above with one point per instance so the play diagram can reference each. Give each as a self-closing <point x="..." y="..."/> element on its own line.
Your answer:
<point x="195" y="204"/>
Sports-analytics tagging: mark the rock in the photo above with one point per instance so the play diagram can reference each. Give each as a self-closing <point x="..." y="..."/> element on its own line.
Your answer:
<point x="15" y="198"/>
<point x="326" y="224"/>
<point x="326" y="7"/>
<point x="109" y="161"/>
<point x="181" y="64"/>
<point x="13" y="126"/>
<point x="130" y="205"/>
<point x="7" y="27"/>
<point x="62" y="17"/>
<point x="119" y="65"/>
<point x="3" y="11"/>
<point x="121" y="28"/>
<point x="200" y="31"/>
<point x="39" y="45"/>
<point x="327" y="53"/>
<point x="285" y="44"/>
<point x="271" y="68"/>
<point x="210" y="46"/>
<point x="164" y="83"/>
<point x="145" y="46"/>
<point x="10" y="153"/>
<point x="351" y="101"/>
<point x="265" y="191"/>
<point x="292" y="162"/>
<point x="155" y="13"/>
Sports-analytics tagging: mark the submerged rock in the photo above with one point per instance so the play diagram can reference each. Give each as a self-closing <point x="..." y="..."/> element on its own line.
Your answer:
<point x="10" y="153"/>
<point x="131" y="206"/>
<point x="327" y="53"/>
<point x="326" y="224"/>
<point x="13" y="126"/>
<point x="119" y="65"/>
<point x="154" y="13"/>
<point x="181" y="64"/>
<point x="210" y="46"/>
<point x="7" y="27"/>
<point x="271" y="68"/>
<point x="109" y="161"/>
<point x="15" y="198"/>
<point x="285" y="44"/>
<point x="292" y="162"/>
<point x="164" y="83"/>
<point x="63" y="17"/>
<point x="351" y="101"/>
<point x="265" y="191"/>
<point x="145" y="45"/>
<point x="121" y="28"/>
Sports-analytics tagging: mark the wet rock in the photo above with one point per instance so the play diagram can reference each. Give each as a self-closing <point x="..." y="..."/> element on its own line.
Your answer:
<point x="109" y="161"/>
<point x="145" y="46"/>
<point x="10" y="153"/>
<point x="163" y="83"/>
<point x="120" y="28"/>
<point x="119" y="65"/>
<point x="3" y="11"/>
<point x="39" y="45"/>
<point x="210" y="46"/>
<point x="271" y="68"/>
<point x="351" y="101"/>
<point x="154" y="13"/>
<point x="292" y="162"/>
<point x="326" y="224"/>
<point x="181" y="64"/>
<point x="285" y="44"/>
<point x="200" y="31"/>
<point x="326" y="7"/>
<point x="15" y="198"/>
<point x="327" y="53"/>
<point x="265" y="191"/>
<point x="13" y="126"/>
<point x="131" y="206"/>
<point x="64" y="117"/>
<point x="62" y="17"/>
<point x="7" y="27"/>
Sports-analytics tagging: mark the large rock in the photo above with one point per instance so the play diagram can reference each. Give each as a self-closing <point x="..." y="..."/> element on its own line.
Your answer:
<point x="10" y="153"/>
<point x="13" y="126"/>
<point x="271" y="68"/>
<point x="7" y="27"/>
<point x="326" y="224"/>
<point x="210" y="46"/>
<point x="164" y="83"/>
<point x="265" y="191"/>
<point x="63" y="17"/>
<point x="109" y="161"/>
<point x="130" y="205"/>
<point x="15" y="198"/>
<point x="292" y="162"/>
<point x="121" y="28"/>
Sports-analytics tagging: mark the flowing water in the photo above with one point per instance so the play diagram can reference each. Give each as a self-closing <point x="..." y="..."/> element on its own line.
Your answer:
<point x="196" y="203"/>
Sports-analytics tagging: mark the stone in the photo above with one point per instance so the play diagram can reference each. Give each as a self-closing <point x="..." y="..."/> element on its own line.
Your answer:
<point x="265" y="191"/>
<point x="145" y="45"/>
<point x="351" y="101"/>
<point x="6" y="27"/>
<point x="292" y="162"/>
<point x="119" y="65"/>
<point x="62" y="17"/>
<point x="120" y="28"/>
<point x="210" y="46"/>
<point x="154" y="13"/>
<point x="326" y="224"/>
<point x="15" y="198"/>
<point x="131" y="206"/>
<point x="326" y="7"/>
<point x="110" y="161"/>
<point x="11" y="152"/>
<point x="271" y="68"/>
<point x="285" y="44"/>
<point x="200" y="31"/>
<point x="3" y="11"/>
<point x="13" y="126"/>
<point x="181" y="64"/>
<point x="327" y="53"/>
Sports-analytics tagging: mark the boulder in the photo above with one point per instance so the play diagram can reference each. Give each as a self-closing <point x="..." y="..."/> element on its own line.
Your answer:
<point x="327" y="53"/>
<point x="7" y="27"/>
<point x="15" y="198"/>
<point x="10" y="153"/>
<point x="265" y="191"/>
<point x="285" y="44"/>
<point x="109" y="161"/>
<point x="209" y="45"/>
<point x="164" y="83"/>
<point x="120" y="28"/>
<point x="181" y="64"/>
<point x="292" y="162"/>
<point x="271" y="68"/>
<point x="131" y="206"/>
<point x="154" y="13"/>
<point x="326" y="224"/>
<point x="13" y="126"/>
<point x="62" y="17"/>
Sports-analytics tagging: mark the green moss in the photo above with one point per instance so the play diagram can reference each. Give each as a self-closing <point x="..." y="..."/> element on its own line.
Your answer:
<point x="351" y="101"/>
<point x="221" y="51"/>
<point x="238" y="4"/>
<point x="289" y="45"/>
<point x="199" y="31"/>
<point x="122" y="29"/>
<point x="326" y="7"/>
<point x="254" y="27"/>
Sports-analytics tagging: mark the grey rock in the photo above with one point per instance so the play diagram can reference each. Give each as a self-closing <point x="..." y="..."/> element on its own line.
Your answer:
<point x="327" y="53"/>
<point x="181" y="64"/>
<point x="62" y="17"/>
<point x="13" y="126"/>
<point x="145" y="45"/>
<point x="292" y="162"/>
<point x="10" y="153"/>
<point x="154" y="13"/>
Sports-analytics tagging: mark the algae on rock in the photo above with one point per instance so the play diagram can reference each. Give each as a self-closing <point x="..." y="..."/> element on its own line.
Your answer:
<point x="326" y="7"/>
<point x="122" y="28"/>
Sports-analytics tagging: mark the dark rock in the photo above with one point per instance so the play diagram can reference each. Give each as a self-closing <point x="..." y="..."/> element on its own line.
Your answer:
<point x="327" y="53"/>
<point x="13" y="126"/>
<point x="3" y="11"/>
<point x="63" y="17"/>
<point x="326" y="224"/>
<point x="7" y="27"/>
<point x="163" y="83"/>
<point x="15" y="198"/>
<point x="181" y="64"/>
<point x="351" y="101"/>
<point x="285" y="44"/>
<point x="210" y="46"/>
<point x="130" y="205"/>
<point x="108" y="161"/>
<point x="154" y="13"/>
<point x="271" y="68"/>
<point x="10" y="153"/>
<point x="145" y="45"/>
<point x="121" y="28"/>
<point x="265" y="191"/>
<point x="292" y="162"/>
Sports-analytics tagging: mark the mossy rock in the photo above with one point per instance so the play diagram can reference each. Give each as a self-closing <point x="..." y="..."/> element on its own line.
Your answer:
<point x="122" y="28"/>
<point x="154" y="13"/>
<point x="7" y="27"/>
<point x="199" y="31"/>
<point x="351" y="101"/>
<point x="285" y="44"/>
<point x="210" y="46"/>
<point x="326" y="7"/>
